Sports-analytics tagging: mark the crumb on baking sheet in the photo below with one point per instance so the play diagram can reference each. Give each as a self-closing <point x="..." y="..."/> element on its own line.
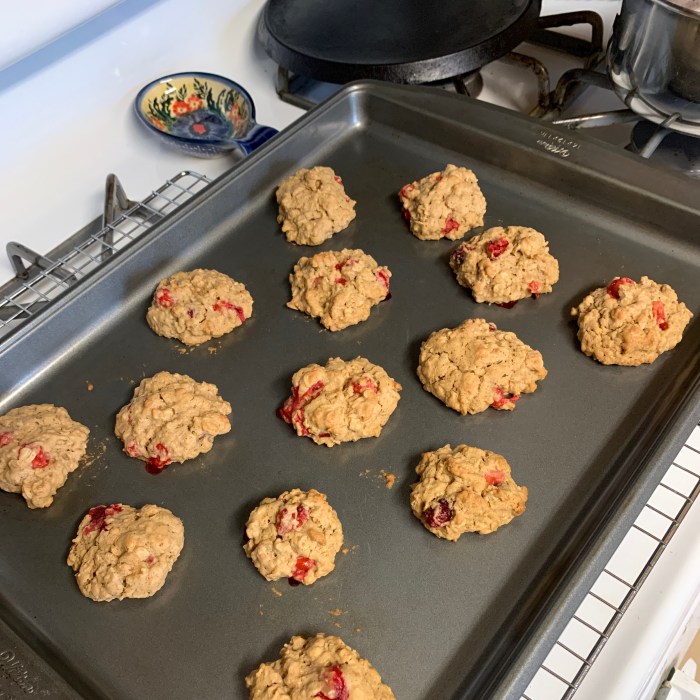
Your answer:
<point x="276" y="592"/>
<point x="347" y="550"/>
<point x="337" y="612"/>
<point x="357" y="630"/>
<point x="212" y="351"/>
<point x="365" y="472"/>
<point x="89" y="385"/>
<point x="389" y="478"/>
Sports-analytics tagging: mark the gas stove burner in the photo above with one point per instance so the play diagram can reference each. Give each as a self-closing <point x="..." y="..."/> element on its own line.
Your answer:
<point x="671" y="149"/>
<point x="402" y="41"/>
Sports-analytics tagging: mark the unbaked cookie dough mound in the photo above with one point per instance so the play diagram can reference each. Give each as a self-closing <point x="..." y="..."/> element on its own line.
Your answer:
<point x="39" y="446"/>
<point x="123" y="552"/>
<point x="445" y="204"/>
<point x="317" y="667"/>
<point x="338" y="287"/>
<point x="465" y="490"/>
<point x="313" y="206"/>
<point x="341" y="402"/>
<point x="197" y="306"/>
<point x="295" y="536"/>
<point x="171" y="418"/>
<point x="503" y="265"/>
<point x="474" y="366"/>
<point x="630" y="323"/>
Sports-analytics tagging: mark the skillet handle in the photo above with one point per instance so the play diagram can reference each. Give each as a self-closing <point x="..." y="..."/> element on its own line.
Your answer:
<point x="256" y="137"/>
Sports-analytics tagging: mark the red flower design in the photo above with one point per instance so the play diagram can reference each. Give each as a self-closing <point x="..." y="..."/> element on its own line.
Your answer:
<point x="179" y="108"/>
<point x="194" y="102"/>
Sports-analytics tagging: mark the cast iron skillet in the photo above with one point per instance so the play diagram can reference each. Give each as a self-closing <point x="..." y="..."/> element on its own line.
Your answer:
<point x="401" y="41"/>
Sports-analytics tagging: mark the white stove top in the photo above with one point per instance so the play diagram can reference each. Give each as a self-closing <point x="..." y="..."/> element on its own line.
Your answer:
<point x="67" y="121"/>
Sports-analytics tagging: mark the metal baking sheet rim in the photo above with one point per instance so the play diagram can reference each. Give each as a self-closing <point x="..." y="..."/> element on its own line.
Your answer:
<point x="525" y="654"/>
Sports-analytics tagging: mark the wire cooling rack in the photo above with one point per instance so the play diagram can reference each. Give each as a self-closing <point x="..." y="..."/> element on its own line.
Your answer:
<point x="41" y="279"/>
<point x="47" y="277"/>
<point x="571" y="657"/>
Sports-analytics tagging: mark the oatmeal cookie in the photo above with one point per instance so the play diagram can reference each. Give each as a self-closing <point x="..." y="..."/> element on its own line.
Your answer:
<point x="630" y="323"/>
<point x="123" y="552"/>
<point x="474" y="366"/>
<point x="294" y="536"/>
<point x="317" y="667"/>
<point x="338" y="287"/>
<point x="445" y="204"/>
<point x="171" y="418"/>
<point x="39" y="446"/>
<point x="465" y="490"/>
<point x="197" y="306"/>
<point x="341" y="402"/>
<point x="504" y="265"/>
<point x="313" y="206"/>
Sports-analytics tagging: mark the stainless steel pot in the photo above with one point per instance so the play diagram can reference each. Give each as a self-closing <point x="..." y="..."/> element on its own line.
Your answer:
<point x="654" y="60"/>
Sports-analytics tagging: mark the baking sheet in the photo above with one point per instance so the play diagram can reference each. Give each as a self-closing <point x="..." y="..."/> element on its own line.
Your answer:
<point x="437" y="619"/>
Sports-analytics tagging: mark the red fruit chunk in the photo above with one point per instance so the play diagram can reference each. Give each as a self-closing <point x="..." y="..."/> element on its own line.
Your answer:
<point x="534" y="287"/>
<point x="341" y="265"/>
<point x="441" y="517"/>
<point x="98" y="517"/>
<point x="302" y="567"/>
<point x="508" y="304"/>
<point x="132" y="450"/>
<point x="450" y="225"/>
<point x="403" y="192"/>
<point x="495" y="477"/>
<point x="190" y="313"/>
<point x="496" y="247"/>
<point x="365" y="383"/>
<point x="291" y="520"/>
<point x="41" y="459"/>
<point x="292" y="411"/>
<point x="150" y="559"/>
<point x="438" y="177"/>
<point x="6" y="438"/>
<point x="324" y="435"/>
<point x="157" y="463"/>
<point x="492" y="327"/>
<point x="222" y="304"/>
<point x="341" y="280"/>
<point x="317" y="281"/>
<point x="165" y="298"/>
<point x="406" y="214"/>
<point x="614" y="286"/>
<point x="383" y="278"/>
<point x="338" y="179"/>
<point x="657" y="308"/>
<point x="501" y="399"/>
<point x="335" y="683"/>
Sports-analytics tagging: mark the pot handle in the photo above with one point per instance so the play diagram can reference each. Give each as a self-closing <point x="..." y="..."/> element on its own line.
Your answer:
<point x="256" y="137"/>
